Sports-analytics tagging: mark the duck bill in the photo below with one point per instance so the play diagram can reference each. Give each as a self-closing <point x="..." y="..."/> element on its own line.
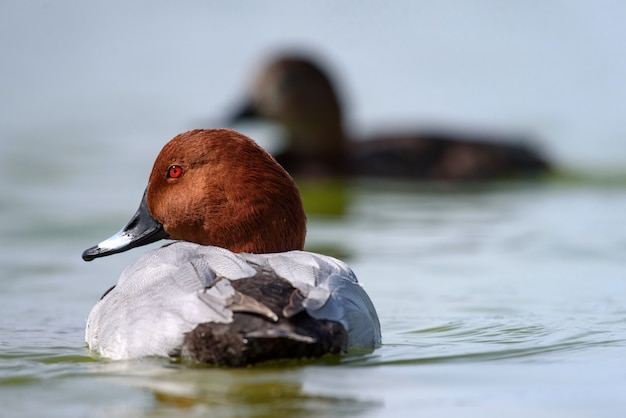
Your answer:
<point x="142" y="229"/>
<point x="247" y="111"/>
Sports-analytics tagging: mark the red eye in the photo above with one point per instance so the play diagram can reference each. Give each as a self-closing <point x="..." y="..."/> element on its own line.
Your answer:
<point x="174" y="172"/>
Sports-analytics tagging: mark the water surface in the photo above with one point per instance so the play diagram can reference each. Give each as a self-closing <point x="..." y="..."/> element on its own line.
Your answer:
<point x="506" y="299"/>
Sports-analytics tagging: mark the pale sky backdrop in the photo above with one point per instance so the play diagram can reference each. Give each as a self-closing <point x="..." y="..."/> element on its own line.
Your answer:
<point x="141" y="71"/>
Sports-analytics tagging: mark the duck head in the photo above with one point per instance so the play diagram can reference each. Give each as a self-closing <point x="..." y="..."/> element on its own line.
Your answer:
<point x="296" y="93"/>
<point x="215" y="187"/>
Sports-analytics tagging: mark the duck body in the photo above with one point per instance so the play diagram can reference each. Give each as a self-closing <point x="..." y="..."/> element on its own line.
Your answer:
<point x="424" y="157"/>
<point x="251" y="297"/>
<point x="297" y="94"/>
<point x="444" y="156"/>
<point x="254" y="304"/>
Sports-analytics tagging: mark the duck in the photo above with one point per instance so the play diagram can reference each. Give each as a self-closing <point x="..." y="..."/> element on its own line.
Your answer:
<point x="296" y="93"/>
<point x="233" y="286"/>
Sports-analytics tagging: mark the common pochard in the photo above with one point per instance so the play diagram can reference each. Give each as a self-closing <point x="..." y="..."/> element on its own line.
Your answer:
<point x="236" y="287"/>
<point x="297" y="94"/>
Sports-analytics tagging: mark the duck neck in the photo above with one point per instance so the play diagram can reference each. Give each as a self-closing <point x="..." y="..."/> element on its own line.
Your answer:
<point x="315" y="148"/>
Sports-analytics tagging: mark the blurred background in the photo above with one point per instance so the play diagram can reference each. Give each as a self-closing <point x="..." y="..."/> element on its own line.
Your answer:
<point x="505" y="299"/>
<point x="145" y="71"/>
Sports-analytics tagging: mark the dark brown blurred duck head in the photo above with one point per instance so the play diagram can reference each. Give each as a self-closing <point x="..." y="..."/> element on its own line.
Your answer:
<point x="296" y="93"/>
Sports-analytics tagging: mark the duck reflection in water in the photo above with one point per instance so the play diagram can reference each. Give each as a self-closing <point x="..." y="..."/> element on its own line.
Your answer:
<point x="297" y="94"/>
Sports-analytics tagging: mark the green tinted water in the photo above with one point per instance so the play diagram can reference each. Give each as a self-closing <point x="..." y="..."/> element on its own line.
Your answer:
<point x="503" y="300"/>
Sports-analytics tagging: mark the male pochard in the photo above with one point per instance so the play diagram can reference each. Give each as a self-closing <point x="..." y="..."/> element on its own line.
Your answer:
<point x="236" y="289"/>
<point x="297" y="94"/>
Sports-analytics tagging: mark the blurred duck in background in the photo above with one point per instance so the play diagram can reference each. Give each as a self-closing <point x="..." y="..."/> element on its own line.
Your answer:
<point x="297" y="94"/>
